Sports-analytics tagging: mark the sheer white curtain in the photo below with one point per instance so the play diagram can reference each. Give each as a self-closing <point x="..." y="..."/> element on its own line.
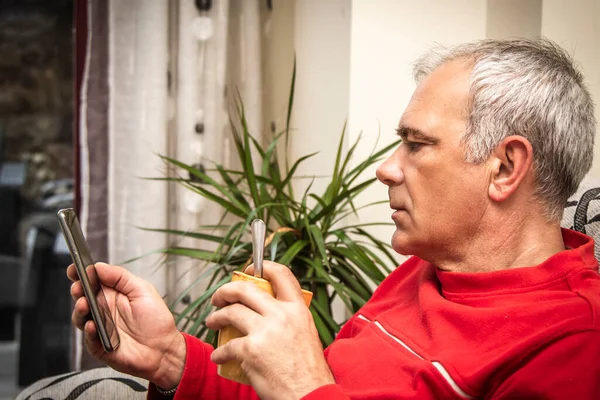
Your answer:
<point x="219" y="52"/>
<point x="165" y="71"/>
<point x="206" y="52"/>
<point x="123" y="128"/>
<point x="138" y="116"/>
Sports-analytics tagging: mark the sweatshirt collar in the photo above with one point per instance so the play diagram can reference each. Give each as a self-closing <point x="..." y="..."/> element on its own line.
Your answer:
<point x="579" y="253"/>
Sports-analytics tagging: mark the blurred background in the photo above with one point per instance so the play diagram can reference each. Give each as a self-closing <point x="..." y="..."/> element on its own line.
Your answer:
<point x="93" y="91"/>
<point x="36" y="179"/>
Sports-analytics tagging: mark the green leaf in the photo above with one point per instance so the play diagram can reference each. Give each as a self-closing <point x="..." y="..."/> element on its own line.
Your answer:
<point x="267" y="159"/>
<point x="193" y="235"/>
<point x="289" y="110"/>
<point x="350" y="152"/>
<point x="248" y="220"/>
<point x="168" y="179"/>
<point x="292" y="251"/>
<point x="325" y="334"/>
<point x="352" y="278"/>
<point x="257" y="146"/>
<point x="372" y="159"/>
<point x="203" y="298"/>
<point x="202" y="316"/>
<point x="195" y="283"/>
<point x="193" y="253"/>
<point x="277" y="238"/>
<point x="383" y="247"/>
<point x="317" y="236"/>
<point x="320" y="201"/>
<point x="205" y="178"/>
<point x="320" y="272"/>
<point x="233" y="187"/>
<point x="344" y="215"/>
<point x="248" y="164"/>
<point x="231" y="207"/>
<point x="295" y="166"/>
<point x="326" y="317"/>
<point x="228" y="238"/>
<point x="344" y="196"/>
<point x="321" y="297"/>
<point x="360" y="260"/>
<point x="241" y="251"/>
<point x="338" y="156"/>
<point x="376" y="258"/>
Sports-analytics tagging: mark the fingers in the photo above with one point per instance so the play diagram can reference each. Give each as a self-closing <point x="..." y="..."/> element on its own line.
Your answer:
<point x="237" y="315"/>
<point x="285" y="285"/>
<point x="72" y="273"/>
<point x="229" y="351"/>
<point x="76" y="290"/>
<point x="246" y="293"/>
<point x="88" y="326"/>
<point x="91" y="340"/>
<point x="80" y="313"/>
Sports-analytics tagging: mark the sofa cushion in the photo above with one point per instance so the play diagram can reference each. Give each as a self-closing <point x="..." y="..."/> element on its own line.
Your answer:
<point x="99" y="383"/>
<point x="582" y="212"/>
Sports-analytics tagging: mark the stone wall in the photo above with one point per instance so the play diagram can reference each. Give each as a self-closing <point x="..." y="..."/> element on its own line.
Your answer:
<point x="36" y="88"/>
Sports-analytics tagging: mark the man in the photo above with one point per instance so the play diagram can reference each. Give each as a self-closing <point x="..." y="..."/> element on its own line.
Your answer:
<point x="497" y="302"/>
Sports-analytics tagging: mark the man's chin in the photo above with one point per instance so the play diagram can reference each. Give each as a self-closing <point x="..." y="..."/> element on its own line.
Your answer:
<point x="402" y="251"/>
<point x="402" y="244"/>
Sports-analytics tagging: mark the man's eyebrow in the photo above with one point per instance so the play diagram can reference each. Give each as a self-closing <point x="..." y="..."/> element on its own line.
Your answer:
<point x="405" y="131"/>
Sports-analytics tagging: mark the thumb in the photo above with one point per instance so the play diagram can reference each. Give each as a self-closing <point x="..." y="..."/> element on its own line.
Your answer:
<point x="285" y="285"/>
<point x="120" y="279"/>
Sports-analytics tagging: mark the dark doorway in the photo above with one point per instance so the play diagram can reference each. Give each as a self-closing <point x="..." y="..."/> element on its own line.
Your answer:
<point x="36" y="178"/>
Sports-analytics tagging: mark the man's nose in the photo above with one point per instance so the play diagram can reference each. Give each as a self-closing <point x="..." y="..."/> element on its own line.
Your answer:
<point x="389" y="172"/>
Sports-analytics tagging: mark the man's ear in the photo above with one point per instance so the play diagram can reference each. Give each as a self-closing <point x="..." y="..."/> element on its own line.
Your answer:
<point x="511" y="161"/>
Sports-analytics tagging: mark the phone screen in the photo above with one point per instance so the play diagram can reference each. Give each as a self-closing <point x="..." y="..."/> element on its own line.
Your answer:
<point x="86" y="270"/>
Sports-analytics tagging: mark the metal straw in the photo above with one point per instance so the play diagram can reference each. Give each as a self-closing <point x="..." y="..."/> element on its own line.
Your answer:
<point x="258" y="245"/>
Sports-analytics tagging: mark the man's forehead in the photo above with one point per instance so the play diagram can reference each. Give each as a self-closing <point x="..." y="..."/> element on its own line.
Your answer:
<point x="439" y="107"/>
<point x="445" y="92"/>
<point x="452" y="79"/>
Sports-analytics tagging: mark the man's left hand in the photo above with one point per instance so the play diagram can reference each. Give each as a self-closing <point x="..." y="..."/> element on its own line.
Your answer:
<point x="281" y="353"/>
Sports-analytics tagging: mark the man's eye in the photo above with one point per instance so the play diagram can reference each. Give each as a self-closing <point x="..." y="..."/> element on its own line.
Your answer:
<point x="412" y="146"/>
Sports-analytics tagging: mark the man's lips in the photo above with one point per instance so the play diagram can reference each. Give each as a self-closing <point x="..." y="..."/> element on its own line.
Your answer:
<point x="397" y="212"/>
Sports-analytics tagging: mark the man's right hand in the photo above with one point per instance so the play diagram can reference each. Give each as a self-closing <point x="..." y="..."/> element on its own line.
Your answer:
<point x="151" y="346"/>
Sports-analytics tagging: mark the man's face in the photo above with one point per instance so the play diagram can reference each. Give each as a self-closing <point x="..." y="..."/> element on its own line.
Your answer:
<point x="438" y="197"/>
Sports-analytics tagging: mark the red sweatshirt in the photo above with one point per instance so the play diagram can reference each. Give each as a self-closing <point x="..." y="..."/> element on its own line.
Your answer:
<point x="524" y="333"/>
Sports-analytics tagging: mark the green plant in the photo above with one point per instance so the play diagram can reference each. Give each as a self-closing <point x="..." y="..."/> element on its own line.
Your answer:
<point x="329" y="258"/>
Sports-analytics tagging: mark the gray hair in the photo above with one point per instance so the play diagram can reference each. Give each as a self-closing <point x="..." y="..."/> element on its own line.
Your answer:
<point x="533" y="89"/>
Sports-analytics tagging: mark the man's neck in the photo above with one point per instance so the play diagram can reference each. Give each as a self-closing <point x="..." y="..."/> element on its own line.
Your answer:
<point x="520" y="241"/>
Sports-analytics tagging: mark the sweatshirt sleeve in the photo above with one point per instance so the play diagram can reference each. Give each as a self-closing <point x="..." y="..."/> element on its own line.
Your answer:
<point x="566" y="369"/>
<point x="327" y="392"/>
<point x="200" y="379"/>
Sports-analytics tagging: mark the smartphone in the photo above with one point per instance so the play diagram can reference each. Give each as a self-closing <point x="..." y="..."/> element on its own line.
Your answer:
<point x="92" y="289"/>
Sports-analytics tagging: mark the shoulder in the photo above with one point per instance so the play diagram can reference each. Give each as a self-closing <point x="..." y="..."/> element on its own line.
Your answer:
<point x="585" y="284"/>
<point x="568" y="366"/>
